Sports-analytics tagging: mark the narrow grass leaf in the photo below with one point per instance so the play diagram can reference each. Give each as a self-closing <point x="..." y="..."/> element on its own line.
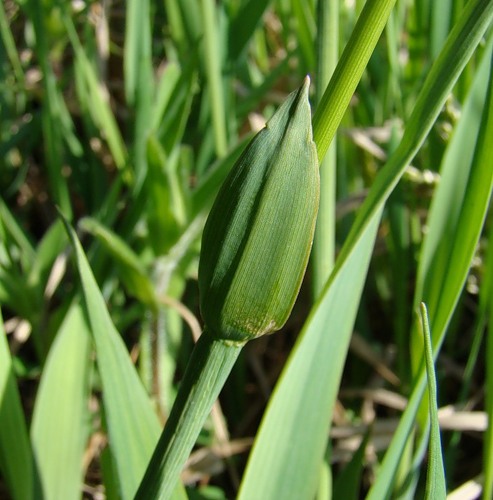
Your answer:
<point x="60" y="424"/>
<point x="136" y="46"/>
<point x="10" y="47"/>
<point x="213" y="65"/>
<point x="488" y="438"/>
<point x="16" y="461"/>
<point x="385" y="479"/>
<point x="98" y="104"/>
<point x="172" y="105"/>
<point x="169" y="80"/>
<point x="165" y="207"/>
<point x="139" y="80"/>
<point x="51" y="113"/>
<point x="13" y="233"/>
<point x="440" y="21"/>
<point x="488" y="441"/>
<point x="435" y="481"/>
<point x="456" y="215"/>
<point x="348" y="482"/>
<point x="305" y="32"/>
<point x="133" y="426"/>
<point x="131" y="270"/>
<point x="323" y="253"/>
<point x="185" y="23"/>
<point x="242" y="26"/>
<point x="451" y="198"/>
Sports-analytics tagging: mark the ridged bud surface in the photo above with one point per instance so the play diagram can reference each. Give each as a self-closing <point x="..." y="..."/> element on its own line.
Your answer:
<point x="258" y="236"/>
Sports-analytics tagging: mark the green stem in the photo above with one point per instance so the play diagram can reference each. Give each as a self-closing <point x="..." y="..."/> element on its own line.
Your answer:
<point x="206" y="373"/>
<point x="327" y="53"/>
<point x="348" y="73"/>
<point x="213" y="69"/>
<point x="488" y="294"/>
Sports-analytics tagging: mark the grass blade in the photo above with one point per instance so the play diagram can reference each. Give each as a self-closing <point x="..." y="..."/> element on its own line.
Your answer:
<point x="347" y="485"/>
<point x="471" y="223"/>
<point x="131" y="270"/>
<point x="452" y="197"/>
<point x="323" y="253"/>
<point x="213" y="64"/>
<point x="10" y="48"/>
<point x="60" y="427"/>
<point x="435" y="483"/>
<point x="293" y="434"/>
<point x="16" y="461"/>
<point x="52" y="113"/>
<point x="488" y="439"/>
<point x="133" y="426"/>
<point x="242" y="26"/>
<point x="270" y="447"/>
<point x="139" y="80"/>
<point x="99" y="107"/>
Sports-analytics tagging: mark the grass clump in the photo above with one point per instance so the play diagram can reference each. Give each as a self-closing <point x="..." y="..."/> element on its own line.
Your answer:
<point x="127" y="118"/>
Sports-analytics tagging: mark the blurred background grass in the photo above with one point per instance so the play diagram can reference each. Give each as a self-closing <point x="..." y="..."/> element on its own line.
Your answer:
<point x="127" y="116"/>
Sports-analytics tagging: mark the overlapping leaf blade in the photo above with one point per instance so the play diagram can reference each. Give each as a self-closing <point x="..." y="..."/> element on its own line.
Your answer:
<point x="132" y="424"/>
<point x="60" y="424"/>
<point x="293" y="435"/>
<point x="466" y="229"/>
<point x="276" y="438"/>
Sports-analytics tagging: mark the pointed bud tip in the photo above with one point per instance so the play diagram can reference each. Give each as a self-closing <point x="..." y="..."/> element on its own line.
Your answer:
<point x="305" y="88"/>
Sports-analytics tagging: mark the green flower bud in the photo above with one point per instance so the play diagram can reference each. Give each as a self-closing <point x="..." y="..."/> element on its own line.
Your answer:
<point x="258" y="236"/>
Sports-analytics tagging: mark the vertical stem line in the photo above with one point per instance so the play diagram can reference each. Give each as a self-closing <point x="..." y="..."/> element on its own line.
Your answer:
<point x="346" y="76"/>
<point x="213" y="69"/>
<point x="327" y="55"/>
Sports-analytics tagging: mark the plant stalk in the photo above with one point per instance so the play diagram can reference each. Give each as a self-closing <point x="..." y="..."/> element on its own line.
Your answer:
<point x="324" y="243"/>
<point x="206" y="372"/>
<point x="354" y="60"/>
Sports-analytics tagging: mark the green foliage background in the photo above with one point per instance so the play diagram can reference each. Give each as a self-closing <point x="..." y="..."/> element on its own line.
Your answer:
<point x="126" y="117"/>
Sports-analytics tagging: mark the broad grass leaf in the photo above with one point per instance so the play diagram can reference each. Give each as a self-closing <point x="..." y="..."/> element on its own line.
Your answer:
<point x="132" y="424"/>
<point x="285" y="459"/>
<point x="60" y="424"/>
